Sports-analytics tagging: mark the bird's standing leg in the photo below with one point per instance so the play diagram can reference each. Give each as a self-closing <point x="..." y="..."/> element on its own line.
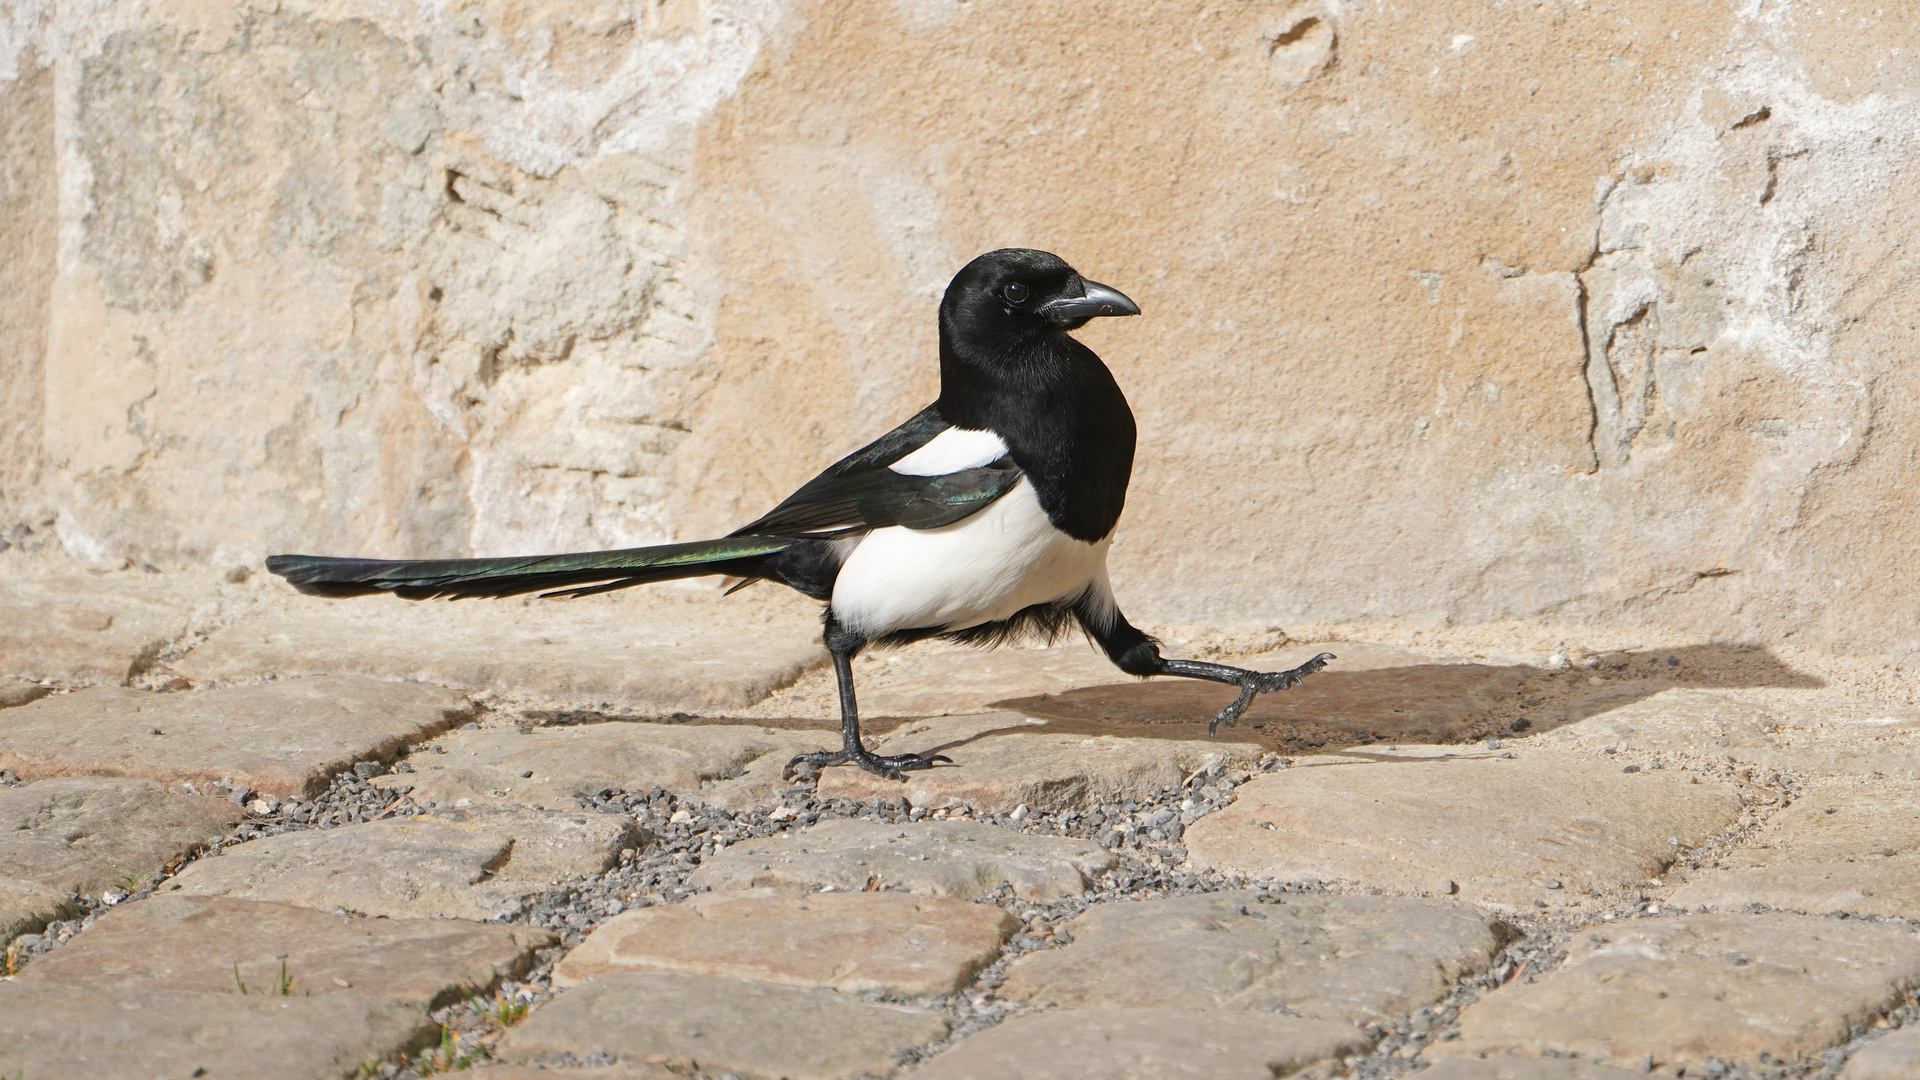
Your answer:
<point x="1137" y="654"/>
<point x="844" y="646"/>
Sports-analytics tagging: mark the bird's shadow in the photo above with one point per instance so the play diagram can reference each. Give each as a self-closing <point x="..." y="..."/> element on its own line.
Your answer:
<point x="1420" y="703"/>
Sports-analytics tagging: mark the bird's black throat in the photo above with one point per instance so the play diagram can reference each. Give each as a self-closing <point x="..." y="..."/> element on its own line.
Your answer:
<point x="1064" y="419"/>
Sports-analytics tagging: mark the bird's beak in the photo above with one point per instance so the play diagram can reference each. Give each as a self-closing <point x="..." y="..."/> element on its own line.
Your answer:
<point x="1099" y="300"/>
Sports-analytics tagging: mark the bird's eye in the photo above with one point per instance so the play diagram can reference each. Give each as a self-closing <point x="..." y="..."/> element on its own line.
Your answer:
<point x="1015" y="293"/>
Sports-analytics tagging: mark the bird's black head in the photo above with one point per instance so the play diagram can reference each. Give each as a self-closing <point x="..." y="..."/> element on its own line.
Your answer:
<point x="1011" y="296"/>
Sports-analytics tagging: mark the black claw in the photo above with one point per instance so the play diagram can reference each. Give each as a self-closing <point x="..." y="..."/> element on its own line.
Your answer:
<point x="1261" y="682"/>
<point x="809" y="765"/>
<point x="892" y="767"/>
<point x="1232" y="712"/>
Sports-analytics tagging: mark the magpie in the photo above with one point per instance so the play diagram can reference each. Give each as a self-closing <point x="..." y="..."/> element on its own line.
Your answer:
<point x="983" y="519"/>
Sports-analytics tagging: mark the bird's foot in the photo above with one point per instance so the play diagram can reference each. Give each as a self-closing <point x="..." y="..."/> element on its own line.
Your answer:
<point x="889" y="766"/>
<point x="1263" y="682"/>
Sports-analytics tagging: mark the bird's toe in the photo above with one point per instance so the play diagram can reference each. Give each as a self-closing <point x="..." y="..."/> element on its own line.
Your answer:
<point x="809" y="765"/>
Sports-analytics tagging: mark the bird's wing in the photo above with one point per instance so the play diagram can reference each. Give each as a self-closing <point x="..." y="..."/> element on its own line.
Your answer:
<point x="861" y="492"/>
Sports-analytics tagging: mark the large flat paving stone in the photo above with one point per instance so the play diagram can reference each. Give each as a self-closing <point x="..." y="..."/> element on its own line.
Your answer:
<point x="646" y="651"/>
<point x="961" y="859"/>
<point x="860" y="942"/>
<point x="1686" y="988"/>
<point x="93" y="629"/>
<point x="286" y="738"/>
<point x="1518" y="1068"/>
<point x="756" y="1030"/>
<point x="1892" y="1057"/>
<point x="546" y="845"/>
<point x="636" y="1071"/>
<point x="214" y="945"/>
<point x="1340" y="958"/>
<point x="1500" y="828"/>
<point x="940" y="679"/>
<point x="463" y="865"/>
<point x="1807" y="732"/>
<point x="139" y="1035"/>
<point x="27" y="906"/>
<point x="484" y="767"/>
<point x="1370" y="692"/>
<point x="15" y="692"/>
<point x="1144" y="1044"/>
<point x="86" y="835"/>
<point x="1002" y="760"/>
<point x="1837" y="849"/>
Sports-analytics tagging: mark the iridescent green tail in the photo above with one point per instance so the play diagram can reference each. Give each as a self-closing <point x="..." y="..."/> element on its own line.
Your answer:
<point x="557" y="575"/>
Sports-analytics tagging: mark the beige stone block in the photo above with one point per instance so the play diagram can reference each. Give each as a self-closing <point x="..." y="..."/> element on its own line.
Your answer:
<point x="1369" y="692"/>
<point x="215" y="945"/>
<point x="547" y="844"/>
<point x="1144" y="1044"/>
<point x="650" y="655"/>
<point x="1519" y="1068"/>
<point x="961" y="859"/>
<point x="88" y="630"/>
<point x="1001" y="761"/>
<point x="1846" y="849"/>
<point x="1687" y="988"/>
<point x="1809" y="733"/>
<point x="757" y="1030"/>
<point x="1342" y="958"/>
<point x="1895" y="1056"/>
<point x="941" y="680"/>
<point x="857" y="943"/>
<point x="18" y="692"/>
<point x="640" y="1071"/>
<point x="138" y="1035"/>
<point x="285" y="738"/>
<point x="464" y="866"/>
<point x="722" y="763"/>
<point x="89" y="836"/>
<point x="759" y="782"/>
<point x="27" y="906"/>
<point x="400" y="869"/>
<point x="1500" y="828"/>
<point x="29" y="230"/>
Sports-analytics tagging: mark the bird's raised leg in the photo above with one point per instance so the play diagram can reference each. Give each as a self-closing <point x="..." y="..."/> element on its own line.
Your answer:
<point x="1249" y="682"/>
<point x="1137" y="654"/>
<point x="843" y="646"/>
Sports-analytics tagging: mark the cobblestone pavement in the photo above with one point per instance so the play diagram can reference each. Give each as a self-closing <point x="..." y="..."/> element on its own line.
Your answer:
<point x="222" y="855"/>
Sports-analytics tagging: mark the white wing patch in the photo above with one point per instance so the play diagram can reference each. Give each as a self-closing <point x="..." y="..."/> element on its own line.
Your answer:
<point x="951" y="451"/>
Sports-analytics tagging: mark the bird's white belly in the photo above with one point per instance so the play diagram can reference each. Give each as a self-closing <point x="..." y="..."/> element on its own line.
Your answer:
<point x="981" y="569"/>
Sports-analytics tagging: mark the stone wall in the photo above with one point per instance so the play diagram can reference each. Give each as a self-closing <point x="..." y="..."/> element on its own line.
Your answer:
<point x="1570" y="312"/>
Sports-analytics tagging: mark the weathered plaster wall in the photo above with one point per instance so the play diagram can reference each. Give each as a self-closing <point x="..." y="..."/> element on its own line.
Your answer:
<point x="29" y="215"/>
<point x="1574" y="312"/>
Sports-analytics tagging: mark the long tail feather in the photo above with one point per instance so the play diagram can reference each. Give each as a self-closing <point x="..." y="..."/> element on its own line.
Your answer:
<point x="565" y="575"/>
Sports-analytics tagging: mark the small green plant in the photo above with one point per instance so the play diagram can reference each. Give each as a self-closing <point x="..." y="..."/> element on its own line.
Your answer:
<point x="505" y="1011"/>
<point x="282" y="987"/>
<point x="129" y="885"/>
<point x="444" y="1058"/>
